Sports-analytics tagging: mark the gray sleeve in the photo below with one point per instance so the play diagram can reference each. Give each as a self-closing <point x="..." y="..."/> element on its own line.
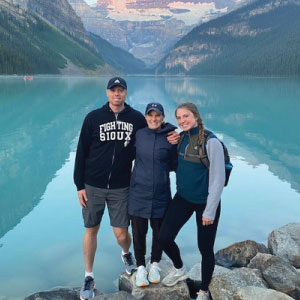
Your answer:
<point x="216" y="177"/>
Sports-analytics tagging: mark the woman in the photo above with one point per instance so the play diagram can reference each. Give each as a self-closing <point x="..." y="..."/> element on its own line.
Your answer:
<point x="150" y="192"/>
<point x="198" y="190"/>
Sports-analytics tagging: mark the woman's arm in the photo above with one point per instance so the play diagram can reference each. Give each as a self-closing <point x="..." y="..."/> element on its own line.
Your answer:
<point x="216" y="177"/>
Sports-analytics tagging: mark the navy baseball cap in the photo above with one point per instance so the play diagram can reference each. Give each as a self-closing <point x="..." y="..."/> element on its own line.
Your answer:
<point x="116" y="81"/>
<point x="155" y="106"/>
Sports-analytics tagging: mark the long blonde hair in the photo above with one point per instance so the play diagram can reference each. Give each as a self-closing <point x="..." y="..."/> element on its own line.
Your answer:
<point x="194" y="110"/>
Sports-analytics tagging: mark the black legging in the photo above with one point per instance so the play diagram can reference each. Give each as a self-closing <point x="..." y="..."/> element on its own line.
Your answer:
<point x="177" y="215"/>
<point x="139" y="232"/>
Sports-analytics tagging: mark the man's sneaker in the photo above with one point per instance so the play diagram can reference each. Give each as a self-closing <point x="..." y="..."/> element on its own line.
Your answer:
<point x="141" y="277"/>
<point x="87" y="291"/>
<point x="154" y="276"/>
<point x="202" y="296"/>
<point x="175" y="276"/>
<point x="129" y="262"/>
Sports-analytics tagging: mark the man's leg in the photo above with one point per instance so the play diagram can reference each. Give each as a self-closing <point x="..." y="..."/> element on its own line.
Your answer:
<point x="89" y="247"/>
<point x="117" y="203"/>
<point x="92" y="215"/>
<point x="123" y="237"/>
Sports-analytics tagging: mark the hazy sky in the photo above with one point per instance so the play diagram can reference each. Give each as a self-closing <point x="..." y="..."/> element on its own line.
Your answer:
<point x="90" y="1"/>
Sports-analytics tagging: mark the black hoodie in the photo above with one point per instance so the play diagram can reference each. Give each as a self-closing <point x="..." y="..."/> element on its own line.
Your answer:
<point x="105" y="149"/>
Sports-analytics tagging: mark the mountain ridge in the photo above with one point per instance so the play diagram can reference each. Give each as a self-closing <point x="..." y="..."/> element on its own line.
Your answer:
<point x="148" y="29"/>
<point x="36" y="39"/>
<point x="248" y="41"/>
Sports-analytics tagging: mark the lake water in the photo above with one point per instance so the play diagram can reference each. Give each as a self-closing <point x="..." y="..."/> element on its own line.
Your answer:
<point x="41" y="226"/>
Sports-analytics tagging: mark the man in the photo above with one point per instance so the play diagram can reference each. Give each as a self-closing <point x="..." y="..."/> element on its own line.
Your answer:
<point x="102" y="173"/>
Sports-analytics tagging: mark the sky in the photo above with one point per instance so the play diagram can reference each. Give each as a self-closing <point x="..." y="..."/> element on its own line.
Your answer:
<point x="90" y="1"/>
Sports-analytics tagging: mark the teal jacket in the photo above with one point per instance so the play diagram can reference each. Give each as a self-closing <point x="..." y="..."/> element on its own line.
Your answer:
<point x="192" y="174"/>
<point x="195" y="182"/>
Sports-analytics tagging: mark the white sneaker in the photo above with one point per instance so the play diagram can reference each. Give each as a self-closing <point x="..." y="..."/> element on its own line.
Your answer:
<point x="141" y="277"/>
<point x="202" y="296"/>
<point x="175" y="276"/>
<point x="154" y="276"/>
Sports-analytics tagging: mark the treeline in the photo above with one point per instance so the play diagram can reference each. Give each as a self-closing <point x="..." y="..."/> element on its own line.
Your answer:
<point x="28" y="45"/>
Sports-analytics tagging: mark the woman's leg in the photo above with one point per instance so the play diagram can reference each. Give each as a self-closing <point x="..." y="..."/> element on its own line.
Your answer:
<point x="156" y="251"/>
<point x="177" y="215"/>
<point x="206" y="240"/>
<point x="139" y="231"/>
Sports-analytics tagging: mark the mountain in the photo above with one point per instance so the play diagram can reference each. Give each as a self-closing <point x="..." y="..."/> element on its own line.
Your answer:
<point x="47" y="37"/>
<point x="148" y="29"/>
<point x="31" y="45"/>
<point x="59" y="13"/>
<point x="118" y="58"/>
<point x="262" y="38"/>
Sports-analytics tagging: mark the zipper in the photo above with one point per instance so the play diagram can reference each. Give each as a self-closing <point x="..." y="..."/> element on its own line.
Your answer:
<point x="113" y="157"/>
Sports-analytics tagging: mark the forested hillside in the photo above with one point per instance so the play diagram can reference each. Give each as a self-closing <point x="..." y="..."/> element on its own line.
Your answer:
<point x="30" y="45"/>
<point x="117" y="57"/>
<point x="262" y="38"/>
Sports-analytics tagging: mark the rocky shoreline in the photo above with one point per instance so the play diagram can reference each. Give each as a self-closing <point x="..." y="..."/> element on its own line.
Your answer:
<point x="244" y="271"/>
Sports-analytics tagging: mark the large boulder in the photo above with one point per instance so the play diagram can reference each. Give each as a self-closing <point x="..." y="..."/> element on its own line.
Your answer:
<point x="285" y="242"/>
<point x="195" y="272"/>
<point x="224" y="286"/>
<point x="58" y="293"/>
<point x="115" y="296"/>
<point x="278" y="273"/>
<point x="239" y="254"/>
<point x="195" y="278"/>
<point x="256" y="293"/>
<point x="155" y="291"/>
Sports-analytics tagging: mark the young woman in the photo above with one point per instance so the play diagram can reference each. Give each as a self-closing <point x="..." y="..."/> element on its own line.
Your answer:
<point x="149" y="193"/>
<point x="198" y="190"/>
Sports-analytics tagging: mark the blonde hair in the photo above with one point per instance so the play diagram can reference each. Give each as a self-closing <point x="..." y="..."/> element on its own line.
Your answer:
<point x="194" y="110"/>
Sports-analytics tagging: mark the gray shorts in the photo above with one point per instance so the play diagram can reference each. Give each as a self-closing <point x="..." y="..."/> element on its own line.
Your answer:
<point x="117" y="203"/>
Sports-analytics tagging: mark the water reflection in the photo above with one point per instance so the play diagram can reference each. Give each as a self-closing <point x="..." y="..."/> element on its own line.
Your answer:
<point x="262" y="114"/>
<point x="39" y="120"/>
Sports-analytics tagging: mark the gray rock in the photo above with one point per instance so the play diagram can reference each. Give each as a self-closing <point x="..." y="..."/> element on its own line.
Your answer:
<point x="195" y="278"/>
<point x="58" y="293"/>
<point x="285" y="242"/>
<point x="155" y="291"/>
<point x="239" y="254"/>
<point x="224" y="286"/>
<point x="195" y="272"/>
<point x="256" y="293"/>
<point x="115" y="296"/>
<point x="278" y="273"/>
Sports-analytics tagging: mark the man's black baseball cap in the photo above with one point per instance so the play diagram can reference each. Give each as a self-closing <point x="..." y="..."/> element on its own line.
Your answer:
<point x="116" y="81"/>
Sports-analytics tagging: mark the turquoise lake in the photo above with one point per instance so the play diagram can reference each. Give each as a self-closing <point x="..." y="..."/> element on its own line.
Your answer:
<point x="41" y="226"/>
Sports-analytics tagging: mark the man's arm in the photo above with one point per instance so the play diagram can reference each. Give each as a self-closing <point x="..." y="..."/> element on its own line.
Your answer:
<point x="173" y="137"/>
<point x="81" y="155"/>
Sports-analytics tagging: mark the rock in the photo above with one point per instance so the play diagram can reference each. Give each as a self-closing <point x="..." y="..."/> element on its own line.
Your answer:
<point x="256" y="293"/>
<point x="195" y="272"/>
<point x="278" y="273"/>
<point x="115" y="296"/>
<point x="224" y="286"/>
<point x="155" y="291"/>
<point x="58" y="293"/>
<point x="195" y="278"/>
<point x="239" y="254"/>
<point x="285" y="242"/>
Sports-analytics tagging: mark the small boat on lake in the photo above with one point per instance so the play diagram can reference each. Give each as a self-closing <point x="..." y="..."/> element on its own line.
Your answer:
<point x="28" y="78"/>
